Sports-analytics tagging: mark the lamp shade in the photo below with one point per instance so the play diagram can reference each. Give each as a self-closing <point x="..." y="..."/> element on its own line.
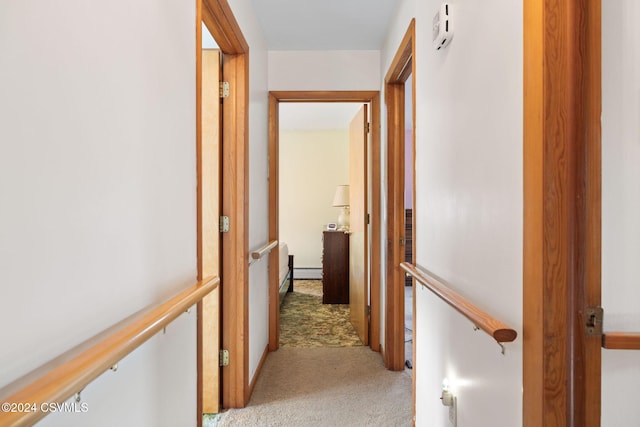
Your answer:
<point x="342" y="196"/>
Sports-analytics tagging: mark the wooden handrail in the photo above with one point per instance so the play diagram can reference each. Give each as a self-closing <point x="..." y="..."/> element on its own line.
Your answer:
<point x="621" y="340"/>
<point x="256" y="255"/>
<point x="498" y="330"/>
<point x="68" y="374"/>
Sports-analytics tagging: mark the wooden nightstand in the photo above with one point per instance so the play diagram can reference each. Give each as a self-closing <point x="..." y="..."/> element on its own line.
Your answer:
<point x="335" y="267"/>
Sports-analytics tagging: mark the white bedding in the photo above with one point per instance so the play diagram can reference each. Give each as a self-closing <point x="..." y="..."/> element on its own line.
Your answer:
<point x="284" y="261"/>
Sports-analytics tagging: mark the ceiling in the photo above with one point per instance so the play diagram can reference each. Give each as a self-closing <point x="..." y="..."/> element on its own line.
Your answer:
<point x="325" y="24"/>
<point x="316" y="115"/>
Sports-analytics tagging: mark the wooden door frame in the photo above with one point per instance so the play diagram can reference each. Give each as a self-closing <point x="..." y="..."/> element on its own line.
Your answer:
<point x="562" y="200"/>
<point x="402" y="66"/>
<point x="221" y="23"/>
<point x="373" y="98"/>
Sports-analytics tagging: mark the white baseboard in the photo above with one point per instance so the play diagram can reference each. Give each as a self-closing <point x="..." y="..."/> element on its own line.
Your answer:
<point x="307" y="273"/>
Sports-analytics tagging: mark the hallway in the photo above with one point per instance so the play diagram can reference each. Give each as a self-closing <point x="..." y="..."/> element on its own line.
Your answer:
<point x="135" y="221"/>
<point x="324" y="387"/>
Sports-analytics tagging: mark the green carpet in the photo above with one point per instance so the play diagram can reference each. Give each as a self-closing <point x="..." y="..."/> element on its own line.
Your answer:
<point x="306" y="322"/>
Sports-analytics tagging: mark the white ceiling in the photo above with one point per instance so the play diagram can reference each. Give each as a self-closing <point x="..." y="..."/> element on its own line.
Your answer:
<point x="325" y="24"/>
<point x="316" y="115"/>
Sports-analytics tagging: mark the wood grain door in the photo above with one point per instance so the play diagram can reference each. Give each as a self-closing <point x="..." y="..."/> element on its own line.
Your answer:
<point x="358" y="265"/>
<point x="562" y="212"/>
<point x="208" y="232"/>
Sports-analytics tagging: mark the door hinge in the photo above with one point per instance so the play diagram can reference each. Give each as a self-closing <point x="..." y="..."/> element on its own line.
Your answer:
<point x="368" y="219"/>
<point x="367" y="310"/>
<point x="224" y="224"/>
<point x="224" y="358"/>
<point x="402" y="241"/>
<point x="367" y="127"/>
<point x="595" y="316"/>
<point x="224" y="89"/>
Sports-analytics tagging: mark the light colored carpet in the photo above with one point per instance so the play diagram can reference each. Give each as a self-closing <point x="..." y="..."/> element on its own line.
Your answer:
<point x="325" y="387"/>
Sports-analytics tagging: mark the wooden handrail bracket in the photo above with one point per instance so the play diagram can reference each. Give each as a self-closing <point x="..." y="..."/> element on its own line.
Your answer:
<point x="498" y="330"/>
<point x="256" y="255"/>
<point x="621" y="340"/>
<point x="68" y="374"/>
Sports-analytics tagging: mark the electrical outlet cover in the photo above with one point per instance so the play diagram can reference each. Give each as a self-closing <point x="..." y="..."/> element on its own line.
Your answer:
<point x="453" y="412"/>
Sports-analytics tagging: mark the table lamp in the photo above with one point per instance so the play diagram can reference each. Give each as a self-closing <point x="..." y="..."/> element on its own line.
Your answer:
<point x="341" y="200"/>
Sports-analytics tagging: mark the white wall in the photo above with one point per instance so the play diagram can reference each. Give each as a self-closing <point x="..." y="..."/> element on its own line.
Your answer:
<point x="98" y="196"/>
<point x="258" y="179"/>
<point x="312" y="164"/>
<point x="620" y="206"/>
<point x="324" y="70"/>
<point x="468" y="206"/>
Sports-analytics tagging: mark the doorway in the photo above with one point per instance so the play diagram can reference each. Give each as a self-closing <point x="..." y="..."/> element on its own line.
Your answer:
<point x="314" y="191"/>
<point x="400" y="103"/>
<point x="231" y="314"/>
<point x="400" y="97"/>
<point x="371" y="97"/>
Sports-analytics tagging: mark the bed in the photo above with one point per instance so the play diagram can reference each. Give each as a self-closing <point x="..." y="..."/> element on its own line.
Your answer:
<point x="285" y="283"/>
